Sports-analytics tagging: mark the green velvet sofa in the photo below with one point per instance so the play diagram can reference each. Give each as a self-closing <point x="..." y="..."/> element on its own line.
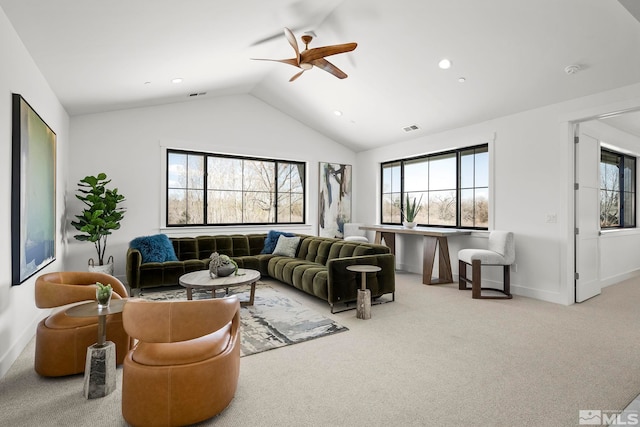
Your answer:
<point x="319" y="267"/>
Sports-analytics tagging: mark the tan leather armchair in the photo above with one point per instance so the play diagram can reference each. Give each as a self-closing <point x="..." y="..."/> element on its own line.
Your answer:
<point x="185" y="365"/>
<point x="61" y="340"/>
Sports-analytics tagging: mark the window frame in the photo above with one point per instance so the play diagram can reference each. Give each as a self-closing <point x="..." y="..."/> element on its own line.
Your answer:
<point x="623" y="158"/>
<point x="458" y="173"/>
<point x="205" y="190"/>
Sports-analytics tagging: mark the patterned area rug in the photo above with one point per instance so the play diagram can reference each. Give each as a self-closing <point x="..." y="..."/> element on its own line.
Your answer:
<point x="274" y="320"/>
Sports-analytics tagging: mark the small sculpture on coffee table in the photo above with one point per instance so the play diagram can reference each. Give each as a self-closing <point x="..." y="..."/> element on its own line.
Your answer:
<point x="221" y="266"/>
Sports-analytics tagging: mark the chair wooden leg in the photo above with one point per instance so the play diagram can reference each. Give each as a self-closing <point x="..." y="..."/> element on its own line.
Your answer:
<point x="476" y="279"/>
<point x="462" y="275"/>
<point x="507" y="280"/>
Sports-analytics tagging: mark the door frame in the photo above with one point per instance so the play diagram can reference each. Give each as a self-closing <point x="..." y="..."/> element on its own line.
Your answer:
<point x="572" y="126"/>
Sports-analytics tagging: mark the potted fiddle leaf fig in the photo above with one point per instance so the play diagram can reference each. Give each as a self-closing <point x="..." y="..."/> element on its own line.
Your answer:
<point x="410" y="211"/>
<point x="99" y="218"/>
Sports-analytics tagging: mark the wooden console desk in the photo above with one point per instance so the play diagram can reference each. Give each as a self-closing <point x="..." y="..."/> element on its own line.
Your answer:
<point x="432" y="238"/>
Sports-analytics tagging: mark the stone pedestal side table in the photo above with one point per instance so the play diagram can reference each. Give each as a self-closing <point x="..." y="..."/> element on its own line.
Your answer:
<point x="100" y="370"/>
<point x="363" y="303"/>
<point x="100" y="365"/>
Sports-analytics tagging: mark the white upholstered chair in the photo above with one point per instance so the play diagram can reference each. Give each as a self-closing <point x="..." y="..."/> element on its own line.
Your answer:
<point x="501" y="252"/>
<point x="352" y="233"/>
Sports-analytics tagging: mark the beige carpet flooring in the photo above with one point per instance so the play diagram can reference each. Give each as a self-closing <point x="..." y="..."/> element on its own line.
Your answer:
<point x="434" y="357"/>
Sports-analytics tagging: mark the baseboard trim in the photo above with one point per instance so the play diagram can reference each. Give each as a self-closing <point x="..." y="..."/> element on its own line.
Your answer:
<point x="18" y="346"/>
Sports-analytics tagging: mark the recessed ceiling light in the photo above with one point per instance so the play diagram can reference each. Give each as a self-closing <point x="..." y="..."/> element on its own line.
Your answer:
<point x="337" y="113"/>
<point x="445" y="64"/>
<point x="178" y="80"/>
<point x="147" y="83"/>
<point x="462" y="79"/>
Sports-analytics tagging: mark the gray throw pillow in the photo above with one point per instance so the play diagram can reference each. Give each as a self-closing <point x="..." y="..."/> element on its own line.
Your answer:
<point x="287" y="246"/>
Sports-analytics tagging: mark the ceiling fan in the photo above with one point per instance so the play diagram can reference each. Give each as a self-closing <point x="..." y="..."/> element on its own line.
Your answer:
<point x="315" y="56"/>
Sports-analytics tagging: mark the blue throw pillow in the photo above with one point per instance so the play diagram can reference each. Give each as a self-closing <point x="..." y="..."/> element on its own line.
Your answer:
<point x="272" y="240"/>
<point x="156" y="248"/>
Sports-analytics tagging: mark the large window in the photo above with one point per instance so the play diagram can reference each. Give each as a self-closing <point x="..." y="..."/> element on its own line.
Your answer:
<point x="212" y="189"/>
<point x="452" y="187"/>
<point x="617" y="190"/>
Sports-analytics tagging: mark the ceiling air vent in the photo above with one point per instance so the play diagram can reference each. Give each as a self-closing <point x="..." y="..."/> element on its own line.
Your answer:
<point x="410" y="128"/>
<point x="198" y="94"/>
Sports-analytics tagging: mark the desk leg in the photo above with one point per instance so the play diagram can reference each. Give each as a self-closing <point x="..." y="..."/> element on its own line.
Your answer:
<point x="378" y="239"/>
<point x="389" y="240"/>
<point x="444" y="263"/>
<point x="428" y="256"/>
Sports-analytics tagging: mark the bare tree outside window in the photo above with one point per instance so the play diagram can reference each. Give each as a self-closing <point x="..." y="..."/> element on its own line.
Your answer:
<point x="391" y="185"/>
<point x="617" y="190"/>
<point x="185" y="183"/>
<point x="453" y="187"/>
<point x="238" y="190"/>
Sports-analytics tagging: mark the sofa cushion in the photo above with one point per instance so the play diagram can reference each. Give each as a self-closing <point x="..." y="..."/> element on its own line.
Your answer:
<point x="156" y="248"/>
<point x="185" y="247"/>
<point x="287" y="246"/>
<point x="272" y="240"/>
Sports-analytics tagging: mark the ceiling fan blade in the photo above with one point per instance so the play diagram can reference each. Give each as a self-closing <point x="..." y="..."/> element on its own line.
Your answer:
<point x="291" y="61"/>
<point x="292" y="41"/>
<point x="296" y="76"/>
<point x="310" y="55"/>
<point x="271" y="37"/>
<point x="329" y="68"/>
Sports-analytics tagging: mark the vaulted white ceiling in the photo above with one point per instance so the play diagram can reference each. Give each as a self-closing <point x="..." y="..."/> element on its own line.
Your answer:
<point x="100" y="56"/>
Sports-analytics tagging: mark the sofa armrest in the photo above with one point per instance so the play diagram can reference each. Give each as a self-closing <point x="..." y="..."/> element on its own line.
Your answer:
<point x="343" y="284"/>
<point x="134" y="260"/>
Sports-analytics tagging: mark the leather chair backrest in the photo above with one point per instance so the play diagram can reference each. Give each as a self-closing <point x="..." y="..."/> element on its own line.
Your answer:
<point x="172" y="321"/>
<point x="62" y="288"/>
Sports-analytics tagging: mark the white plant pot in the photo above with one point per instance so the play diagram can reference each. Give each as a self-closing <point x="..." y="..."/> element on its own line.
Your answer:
<point x="408" y="224"/>
<point x="105" y="268"/>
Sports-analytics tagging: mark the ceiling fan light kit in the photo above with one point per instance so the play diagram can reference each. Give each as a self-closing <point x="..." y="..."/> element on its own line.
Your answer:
<point x="309" y="58"/>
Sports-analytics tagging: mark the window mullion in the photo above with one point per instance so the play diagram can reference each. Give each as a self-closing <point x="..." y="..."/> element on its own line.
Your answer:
<point x="205" y="187"/>
<point x="621" y="190"/>
<point x="276" y="191"/>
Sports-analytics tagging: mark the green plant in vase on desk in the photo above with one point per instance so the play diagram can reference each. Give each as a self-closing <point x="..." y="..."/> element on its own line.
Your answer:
<point x="410" y="211"/>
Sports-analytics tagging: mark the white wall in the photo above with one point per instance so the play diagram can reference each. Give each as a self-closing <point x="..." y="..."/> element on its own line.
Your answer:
<point x="19" y="74"/>
<point x="127" y="145"/>
<point x="531" y="161"/>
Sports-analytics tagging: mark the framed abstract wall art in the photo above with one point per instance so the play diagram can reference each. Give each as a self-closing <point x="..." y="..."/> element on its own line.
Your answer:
<point x="334" y="203"/>
<point x="33" y="192"/>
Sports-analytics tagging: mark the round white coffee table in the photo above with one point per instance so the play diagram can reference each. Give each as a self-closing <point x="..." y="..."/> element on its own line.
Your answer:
<point x="202" y="280"/>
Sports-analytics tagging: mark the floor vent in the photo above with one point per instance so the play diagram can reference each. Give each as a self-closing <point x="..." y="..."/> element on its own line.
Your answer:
<point x="410" y="128"/>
